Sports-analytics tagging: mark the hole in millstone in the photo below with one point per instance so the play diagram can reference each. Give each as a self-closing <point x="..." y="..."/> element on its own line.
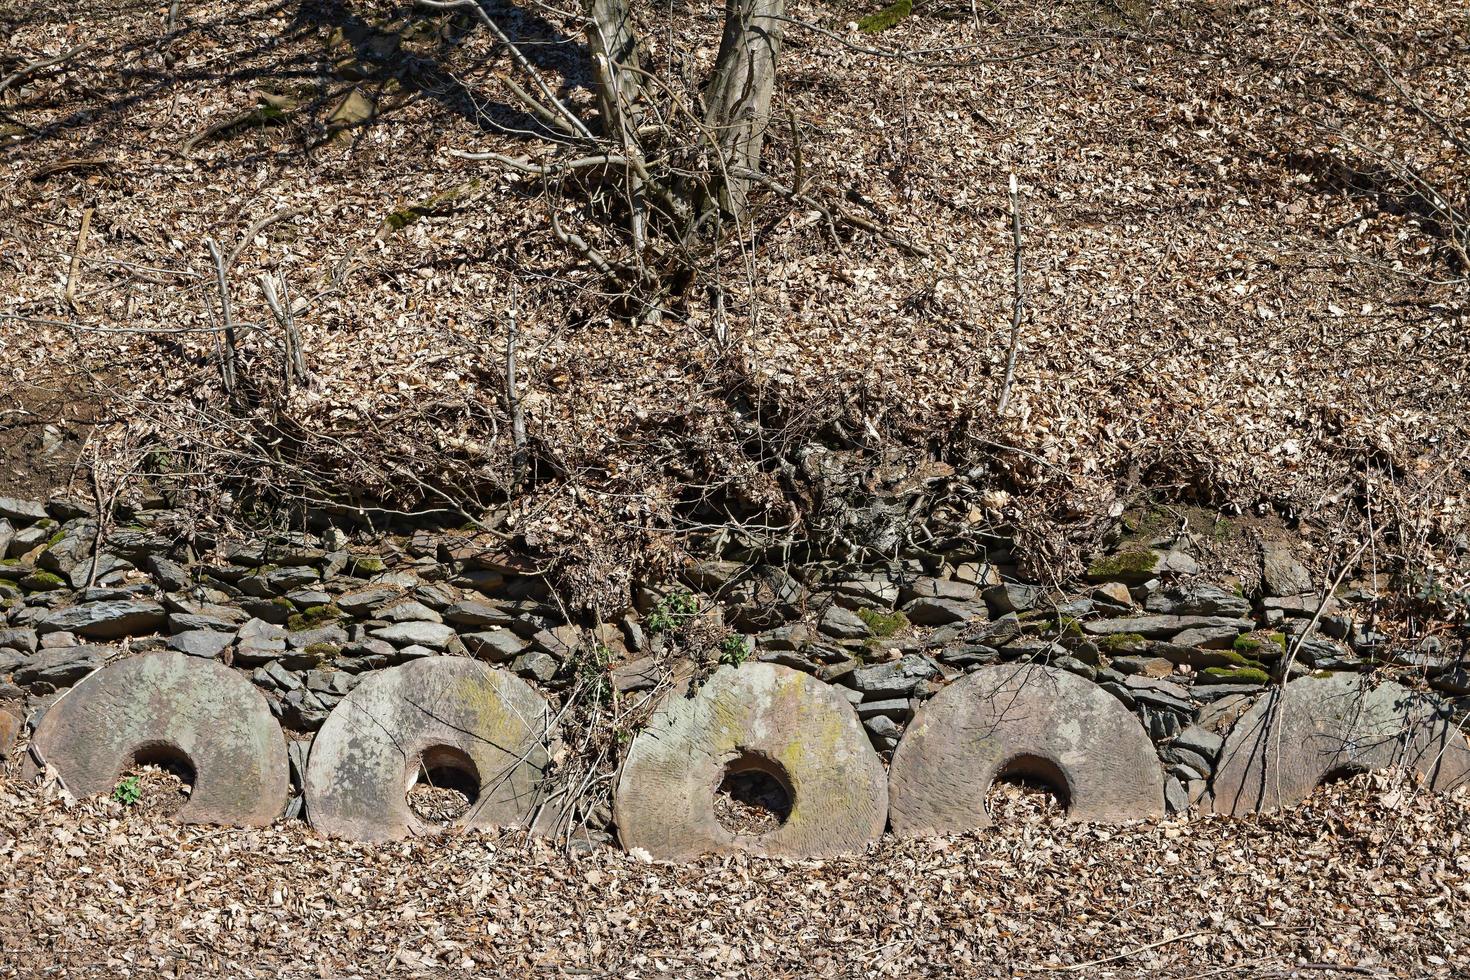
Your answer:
<point x="754" y="796"/>
<point x="158" y="783"/>
<point x="1027" y="789"/>
<point x="1341" y="774"/>
<point x="446" y="784"/>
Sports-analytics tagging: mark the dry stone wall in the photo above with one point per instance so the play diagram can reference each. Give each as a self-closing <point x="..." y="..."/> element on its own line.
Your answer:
<point x="307" y="619"/>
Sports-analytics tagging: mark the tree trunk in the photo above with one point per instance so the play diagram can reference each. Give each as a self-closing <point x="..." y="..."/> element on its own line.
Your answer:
<point x="614" y="50"/>
<point x="738" y="96"/>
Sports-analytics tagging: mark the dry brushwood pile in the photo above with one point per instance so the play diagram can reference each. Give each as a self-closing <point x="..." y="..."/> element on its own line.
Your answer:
<point x="1244" y="275"/>
<point x="1366" y="880"/>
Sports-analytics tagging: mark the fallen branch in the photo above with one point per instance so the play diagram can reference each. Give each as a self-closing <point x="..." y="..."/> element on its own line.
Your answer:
<point x="844" y="218"/>
<point x="1119" y="956"/>
<point x="227" y="355"/>
<point x="70" y="294"/>
<point x="36" y="66"/>
<point x="257" y="228"/>
<point x="1017" y="303"/>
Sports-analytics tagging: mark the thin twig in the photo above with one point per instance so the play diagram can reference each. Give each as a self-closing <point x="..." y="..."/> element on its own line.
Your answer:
<point x="1118" y="956"/>
<point x="1017" y="303"/>
<point x="76" y="260"/>
<point x="36" y="66"/>
<point x="255" y="229"/>
<point x="512" y="392"/>
<point x="227" y="359"/>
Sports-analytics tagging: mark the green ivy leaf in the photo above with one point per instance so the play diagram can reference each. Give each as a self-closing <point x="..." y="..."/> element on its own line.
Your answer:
<point x="886" y="18"/>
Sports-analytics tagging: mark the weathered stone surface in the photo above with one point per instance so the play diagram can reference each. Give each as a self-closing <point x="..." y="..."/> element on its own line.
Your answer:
<point x="363" y="601"/>
<point x="495" y="646"/>
<point x="1281" y="573"/>
<point x="10" y="722"/>
<point x="801" y="732"/>
<point x="451" y="712"/>
<point x="1208" y="638"/>
<point x="408" y="612"/>
<point x="436" y="636"/>
<point x="201" y="643"/>
<point x="22" y="510"/>
<point x="474" y="613"/>
<point x="106" y="620"/>
<point x="1024" y="720"/>
<point x="1162" y="627"/>
<point x="1319" y="727"/>
<point x="891" y="680"/>
<point x="1011" y="598"/>
<point x="938" y="588"/>
<point x="61" y="667"/>
<point x="927" y="611"/>
<point x="843" y="624"/>
<point x="168" y="706"/>
<point x="18" y="639"/>
<point x="1198" y="599"/>
<point x="1201" y="740"/>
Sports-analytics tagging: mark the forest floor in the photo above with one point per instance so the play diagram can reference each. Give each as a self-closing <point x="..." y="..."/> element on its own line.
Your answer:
<point x="1365" y="879"/>
<point x="1245" y="280"/>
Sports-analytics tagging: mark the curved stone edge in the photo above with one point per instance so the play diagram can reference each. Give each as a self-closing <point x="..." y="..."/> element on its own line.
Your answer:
<point x="1060" y="726"/>
<point x="163" y="701"/>
<point x="1292" y="739"/>
<point x="10" y="725"/>
<point x="663" y="803"/>
<point x="366" y="755"/>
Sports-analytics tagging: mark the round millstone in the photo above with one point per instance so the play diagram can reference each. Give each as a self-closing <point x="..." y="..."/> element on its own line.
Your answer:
<point x="1317" y="728"/>
<point x="1027" y="721"/>
<point x="488" y="726"/>
<point x="782" y="722"/>
<point x="166" y="707"/>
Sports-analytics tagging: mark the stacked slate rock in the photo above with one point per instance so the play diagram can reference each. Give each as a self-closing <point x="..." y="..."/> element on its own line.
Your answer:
<point x="306" y="616"/>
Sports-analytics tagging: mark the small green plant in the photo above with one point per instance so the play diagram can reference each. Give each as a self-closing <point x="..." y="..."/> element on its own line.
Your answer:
<point x="128" y="791"/>
<point x="734" y="650"/>
<point x="671" y="612"/>
<point x="591" y="665"/>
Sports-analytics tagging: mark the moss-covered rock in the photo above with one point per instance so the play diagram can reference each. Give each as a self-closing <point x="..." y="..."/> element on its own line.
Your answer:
<point x="1118" y="644"/>
<point x="365" y="565"/>
<point x="1130" y="566"/>
<point x="1234" y="675"/>
<point x="312" y="617"/>
<point x="39" y="581"/>
<point x="884" y="623"/>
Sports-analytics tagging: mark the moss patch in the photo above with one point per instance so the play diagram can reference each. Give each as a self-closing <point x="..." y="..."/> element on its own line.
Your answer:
<point x="366" y="565"/>
<point x="884" y="623"/>
<point x="1234" y="675"/>
<point x="1132" y="565"/>
<point x="39" y="581"/>
<point x="1118" y="643"/>
<point x="313" y="616"/>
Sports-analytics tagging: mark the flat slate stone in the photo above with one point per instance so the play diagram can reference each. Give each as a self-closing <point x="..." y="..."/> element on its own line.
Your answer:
<point x="166" y="706"/>
<point x="763" y="717"/>
<point x="1026" y="720"/>
<point x="1316" y="727"/>
<point x="106" y="620"/>
<point x="61" y="667"/>
<point x="436" y="636"/>
<point x="440" y="712"/>
<point x="22" y="510"/>
<point x="1162" y="627"/>
<point x="201" y="643"/>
